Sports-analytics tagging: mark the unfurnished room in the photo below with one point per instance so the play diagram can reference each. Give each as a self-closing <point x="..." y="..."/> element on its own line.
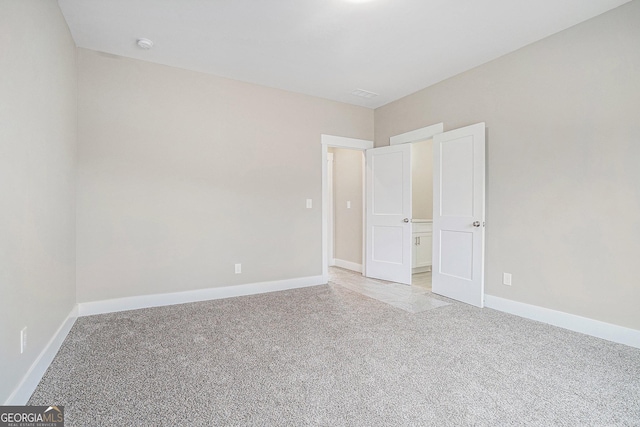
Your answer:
<point x="319" y="213"/>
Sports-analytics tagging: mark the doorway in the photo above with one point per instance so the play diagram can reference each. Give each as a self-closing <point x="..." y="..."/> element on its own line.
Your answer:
<point x="422" y="212"/>
<point x="458" y="209"/>
<point x="345" y="207"/>
<point x="341" y="154"/>
<point x="335" y="142"/>
<point x="390" y="243"/>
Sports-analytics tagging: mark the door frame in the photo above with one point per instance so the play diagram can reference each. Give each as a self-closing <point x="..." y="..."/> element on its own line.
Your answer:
<point x="327" y="141"/>
<point x="330" y="212"/>
<point x="417" y="134"/>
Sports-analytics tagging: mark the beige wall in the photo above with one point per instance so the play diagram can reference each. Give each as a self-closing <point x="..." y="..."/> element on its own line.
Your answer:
<point x="37" y="180"/>
<point x="422" y="179"/>
<point x="183" y="174"/>
<point x="348" y="187"/>
<point x="563" y="156"/>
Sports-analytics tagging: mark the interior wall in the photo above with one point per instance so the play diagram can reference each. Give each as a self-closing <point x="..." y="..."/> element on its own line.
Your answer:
<point x="38" y="107"/>
<point x="562" y="164"/>
<point x="422" y="179"/>
<point x="183" y="174"/>
<point x="347" y="181"/>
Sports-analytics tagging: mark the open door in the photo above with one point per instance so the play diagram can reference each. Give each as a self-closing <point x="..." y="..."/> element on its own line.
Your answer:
<point x="458" y="214"/>
<point x="388" y="213"/>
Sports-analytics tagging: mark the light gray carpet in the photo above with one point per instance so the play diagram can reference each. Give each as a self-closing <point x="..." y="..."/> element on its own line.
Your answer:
<point x="328" y="356"/>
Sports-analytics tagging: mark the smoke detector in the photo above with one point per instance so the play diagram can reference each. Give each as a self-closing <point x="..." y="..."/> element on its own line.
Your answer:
<point x="145" y="43"/>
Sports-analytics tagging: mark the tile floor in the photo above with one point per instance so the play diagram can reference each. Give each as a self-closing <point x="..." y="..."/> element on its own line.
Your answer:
<point x="422" y="279"/>
<point x="414" y="299"/>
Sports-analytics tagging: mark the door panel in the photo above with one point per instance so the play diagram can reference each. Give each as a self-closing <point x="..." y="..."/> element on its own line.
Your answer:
<point x="387" y="244"/>
<point x="388" y="167"/>
<point x="458" y="214"/>
<point x="456" y="255"/>
<point x="388" y="240"/>
<point x="456" y="165"/>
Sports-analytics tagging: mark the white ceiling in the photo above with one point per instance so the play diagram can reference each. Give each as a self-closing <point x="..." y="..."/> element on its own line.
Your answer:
<point x="325" y="48"/>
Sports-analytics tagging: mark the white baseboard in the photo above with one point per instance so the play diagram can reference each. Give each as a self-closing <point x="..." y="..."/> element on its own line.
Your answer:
<point x="158" y="300"/>
<point x="32" y="378"/>
<point x="348" y="265"/>
<point x="596" y="328"/>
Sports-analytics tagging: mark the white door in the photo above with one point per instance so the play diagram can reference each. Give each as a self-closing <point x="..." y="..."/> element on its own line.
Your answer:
<point x="458" y="214"/>
<point x="388" y="213"/>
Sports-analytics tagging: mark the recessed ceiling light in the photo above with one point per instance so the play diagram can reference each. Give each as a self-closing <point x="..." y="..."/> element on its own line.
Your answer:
<point x="364" y="93"/>
<point x="145" y="43"/>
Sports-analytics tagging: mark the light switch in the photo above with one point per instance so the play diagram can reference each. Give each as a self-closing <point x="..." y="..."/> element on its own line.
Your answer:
<point x="309" y="203"/>
<point x="348" y="204"/>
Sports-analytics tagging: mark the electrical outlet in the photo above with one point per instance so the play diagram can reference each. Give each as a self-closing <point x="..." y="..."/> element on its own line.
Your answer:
<point x="238" y="268"/>
<point x="506" y="279"/>
<point x="23" y="340"/>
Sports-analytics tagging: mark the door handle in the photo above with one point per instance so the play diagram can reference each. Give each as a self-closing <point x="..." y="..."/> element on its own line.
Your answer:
<point x="476" y="223"/>
<point x="405" y="220"/>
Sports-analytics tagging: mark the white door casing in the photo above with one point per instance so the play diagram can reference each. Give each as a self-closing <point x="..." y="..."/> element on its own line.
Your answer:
<point x="330" y="211"/>
<point x="342" y="142"/>
<point x="459" y="214"/>
<point x="417" y="135"/>
<point x="388" y="213"/>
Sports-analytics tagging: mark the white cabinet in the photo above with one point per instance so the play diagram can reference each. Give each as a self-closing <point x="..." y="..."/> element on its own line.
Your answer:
<point x="422" y="239"/>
